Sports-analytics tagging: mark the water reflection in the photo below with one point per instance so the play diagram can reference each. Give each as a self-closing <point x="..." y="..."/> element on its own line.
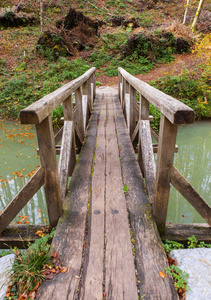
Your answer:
<point x="18" y="161"/>
<point x="194" y="162"/>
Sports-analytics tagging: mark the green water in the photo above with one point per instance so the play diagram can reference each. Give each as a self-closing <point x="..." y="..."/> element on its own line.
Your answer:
<point x="194" y="162"/>
<point x="18" y="160"/>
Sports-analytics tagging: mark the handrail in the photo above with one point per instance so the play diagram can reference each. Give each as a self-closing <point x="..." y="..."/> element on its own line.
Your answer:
<point x="53" y="176"/>
<point x="38" y="111"/>
<point x="158" y="178"/>
<point x="172" y="109"/>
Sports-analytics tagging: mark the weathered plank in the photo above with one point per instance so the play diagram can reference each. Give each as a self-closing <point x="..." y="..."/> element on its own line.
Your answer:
<point x="48" y="160"/>
<point x="190" y="194"/>
<point x="93" y="287"/>
<point x="39" y="110"/>
<point x="165" y="158"/>
<point x="147" y="157"/>
<point x="85" y="110"/>
<point x="69" y="237"/>
<point x="181" y="232"/>
<point x="22" y="198"/>
<point x="175" y="111"/>
<point x="19" y="235"/>
<point x="150" y="255"/>
<point x="65" y="156"/>
<point x="120" y="278"/>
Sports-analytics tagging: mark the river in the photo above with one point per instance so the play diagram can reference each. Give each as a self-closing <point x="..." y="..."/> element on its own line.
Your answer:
<point x="19" y="159"/>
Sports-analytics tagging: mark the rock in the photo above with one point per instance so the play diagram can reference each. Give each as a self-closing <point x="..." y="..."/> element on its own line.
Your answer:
<point x="5" y="267"/>
<point x="197" y="263"/>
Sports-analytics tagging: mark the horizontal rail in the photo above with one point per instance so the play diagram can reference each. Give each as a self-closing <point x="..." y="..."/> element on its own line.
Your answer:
<point x="175" y="111"/>
<point x="38" y="111"/>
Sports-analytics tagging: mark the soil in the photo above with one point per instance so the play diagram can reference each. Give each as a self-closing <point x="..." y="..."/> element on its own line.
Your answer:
<point x="181" y="62"/>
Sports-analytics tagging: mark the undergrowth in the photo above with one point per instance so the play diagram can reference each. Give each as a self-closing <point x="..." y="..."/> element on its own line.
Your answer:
<point x="28" y="86"/>
<point x="180" y="277"/>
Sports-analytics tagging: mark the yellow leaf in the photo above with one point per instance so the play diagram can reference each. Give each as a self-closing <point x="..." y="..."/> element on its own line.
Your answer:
<point x="161" y="274"/>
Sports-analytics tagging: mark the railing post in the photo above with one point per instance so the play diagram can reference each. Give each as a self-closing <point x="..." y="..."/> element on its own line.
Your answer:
<point x="47" y="152"/>
<point x="165" y="158"/>
<point x="143" y="115"/>
<point x="132" y="123"/>
<point x="79" y="123"/>
<point x="68" y="116"/>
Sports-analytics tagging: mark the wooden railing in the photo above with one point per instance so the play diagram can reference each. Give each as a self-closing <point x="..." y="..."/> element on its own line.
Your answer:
<point x="158" y="177"/>
<point x="55" y="178"/>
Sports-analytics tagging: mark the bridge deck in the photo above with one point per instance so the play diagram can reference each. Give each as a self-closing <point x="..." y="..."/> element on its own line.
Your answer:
<point x="106" y="239"/>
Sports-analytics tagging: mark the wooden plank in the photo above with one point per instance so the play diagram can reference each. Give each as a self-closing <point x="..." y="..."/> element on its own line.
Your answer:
<point x="150" y="256"/>
<point x="93" y="287"/>
<point x="147" y="157"/>
<point x="143" y="115"/>
<point x="48" y="160"/>
<point x="155" y="148"/>
<point x="20" y="235"/>
<point x="79" y="107"/>
<point x="69" y="236"/>
<point x="58" y="136"/>
<point x="119" y="262"/>
<point x="181" y="232"/>
<point x="65" y="157"/>
<point x="68" y="109"/>
<point x="132" y="118"/>
<point x="127" y="110"/>
<point x="190" y="194"/>
<point x="165" y="158"/>
<point x="39" y="110"/>
<point x="136" y="130"/>
<point x="85" y="110"/>
<point x="175" y="111"/>
<point x="21" y="199"/>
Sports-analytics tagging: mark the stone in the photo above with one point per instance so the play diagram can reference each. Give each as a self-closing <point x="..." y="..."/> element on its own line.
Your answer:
<point x="5" y="267"/>
<point x="197" y="263"/>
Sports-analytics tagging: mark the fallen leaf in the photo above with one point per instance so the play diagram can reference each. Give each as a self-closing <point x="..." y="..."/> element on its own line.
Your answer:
<point x="63" y="269"/>
<point x="161" y="274"/>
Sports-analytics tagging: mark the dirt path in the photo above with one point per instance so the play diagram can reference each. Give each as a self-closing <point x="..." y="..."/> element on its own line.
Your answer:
<point x="181" y="62"/>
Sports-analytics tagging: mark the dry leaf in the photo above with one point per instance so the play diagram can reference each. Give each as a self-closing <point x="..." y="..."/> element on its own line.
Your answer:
<point x="161" y="274"/>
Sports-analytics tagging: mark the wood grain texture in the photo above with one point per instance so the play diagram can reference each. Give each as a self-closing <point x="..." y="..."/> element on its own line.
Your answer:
<point x="174" y="110"/>
<point x="150" y="255"/>
<point x="93" y="286"/>
<point x="165" y="159"/>
<point x="181" y="232"/>
<point x="190" y="194"/>
<point x="48" y="160"/>
<point x="120" y="270"/>
<point x="69" y="237"/>
<point x="22" y="198"/>
<point x="147" y="157"/>
<point x="65" y="156"/>
<point x="19" y="235"/>
<point x="39" y="110"/>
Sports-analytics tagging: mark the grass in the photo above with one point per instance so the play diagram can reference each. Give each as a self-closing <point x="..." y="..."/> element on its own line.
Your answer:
<point x="28" y="268"/>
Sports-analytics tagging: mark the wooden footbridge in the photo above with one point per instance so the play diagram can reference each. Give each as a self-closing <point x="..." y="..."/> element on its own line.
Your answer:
<point x="110" y="215"/>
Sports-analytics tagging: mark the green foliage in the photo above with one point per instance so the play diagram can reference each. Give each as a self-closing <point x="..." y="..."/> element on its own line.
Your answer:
<point x="27" y="87"/>
<point x="194" y="243"/>
<point x="171" y="245"/>
<point x="28" y="265"/>
<point x="189" y="89"/>
<point x="180" y="277"/>
<point x="126" y="189"/>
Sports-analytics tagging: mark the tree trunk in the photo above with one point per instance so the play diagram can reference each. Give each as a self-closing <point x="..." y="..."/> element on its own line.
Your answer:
<point x="193" y="27"/>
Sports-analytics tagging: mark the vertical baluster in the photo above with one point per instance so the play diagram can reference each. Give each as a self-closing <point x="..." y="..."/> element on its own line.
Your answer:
<point x="165" y="158"/>
<point x="143" y="115"/>
<point x="68" y="116"/>
<point x="132" y="122"/>
<point x="79" y="119"/>
<point x="47" y="152"/>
